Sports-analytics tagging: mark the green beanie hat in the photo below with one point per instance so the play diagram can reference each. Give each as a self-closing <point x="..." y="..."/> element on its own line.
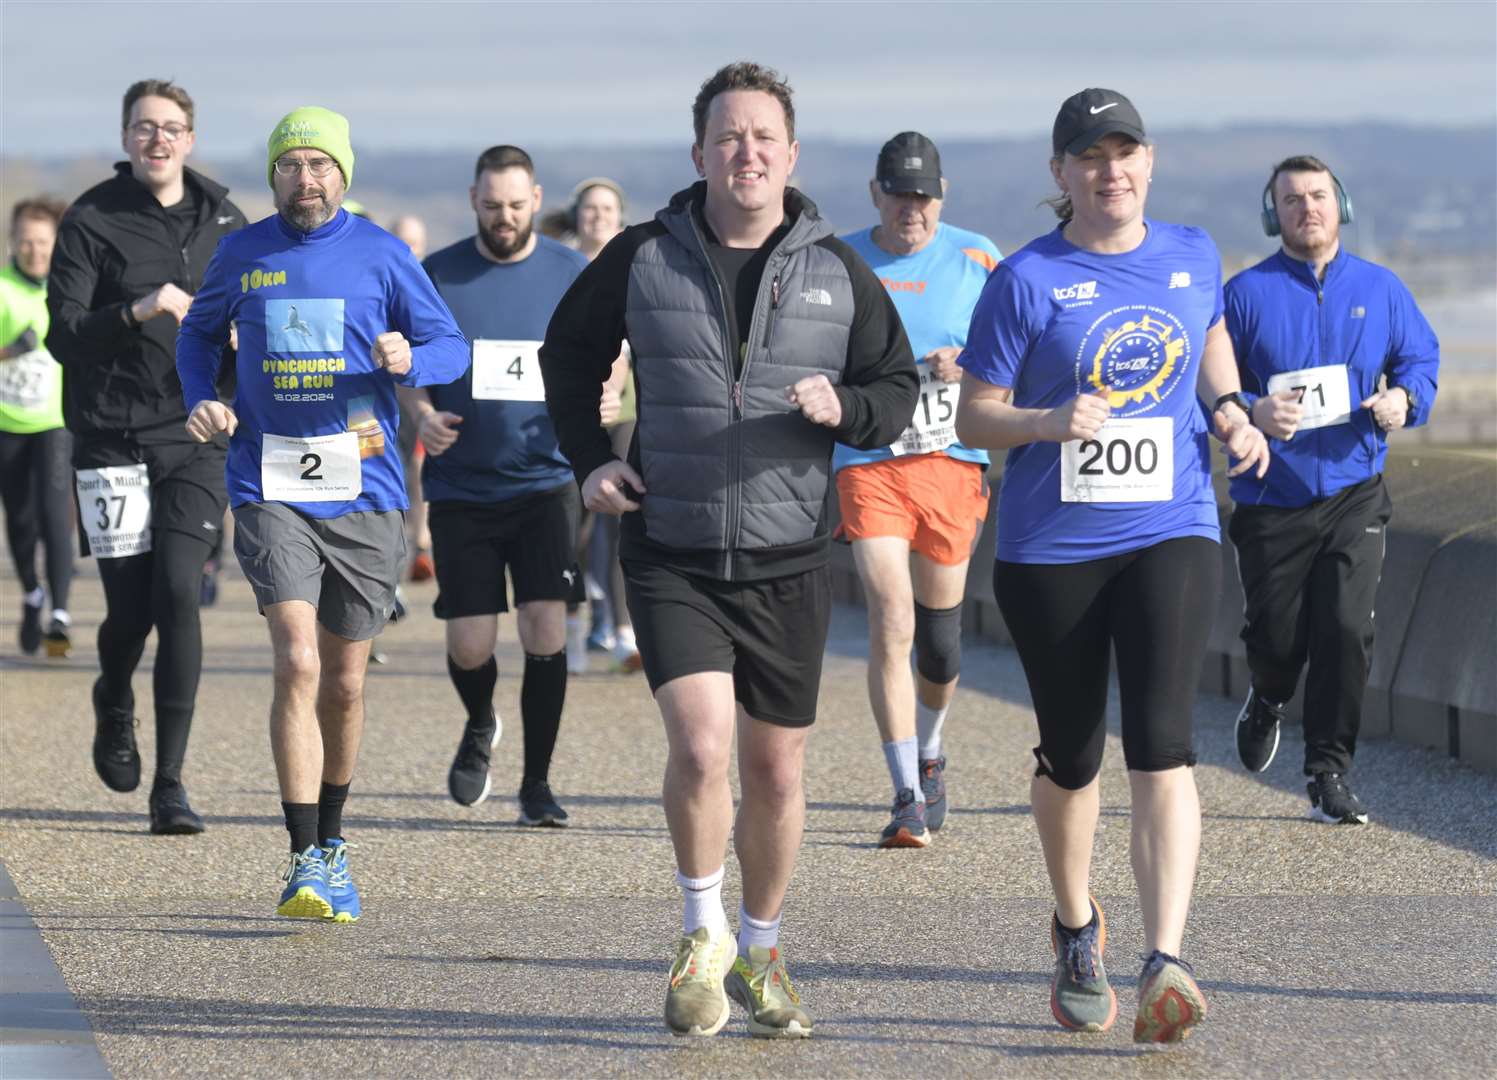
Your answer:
<point x="315" y="127"/>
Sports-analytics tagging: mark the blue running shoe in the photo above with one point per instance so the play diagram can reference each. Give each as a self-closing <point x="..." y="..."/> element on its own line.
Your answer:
<point x="933" y="787"/>
<point x="340" y="886"/>
<point x="306" y="894"/>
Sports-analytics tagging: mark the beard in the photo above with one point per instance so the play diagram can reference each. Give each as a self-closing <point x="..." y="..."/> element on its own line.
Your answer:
<point x="310" y="216"/>
<point x="501" y="249"/>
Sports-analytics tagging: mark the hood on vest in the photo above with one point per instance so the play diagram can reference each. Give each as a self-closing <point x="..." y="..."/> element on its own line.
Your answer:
<point x="806" y="223"/>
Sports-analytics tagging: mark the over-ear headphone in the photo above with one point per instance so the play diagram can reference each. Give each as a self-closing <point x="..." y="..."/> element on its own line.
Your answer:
<point x="1271" y="213"/>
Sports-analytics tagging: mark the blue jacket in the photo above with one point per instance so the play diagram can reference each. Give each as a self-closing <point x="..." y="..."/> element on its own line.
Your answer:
<point x="1281" y="319"/>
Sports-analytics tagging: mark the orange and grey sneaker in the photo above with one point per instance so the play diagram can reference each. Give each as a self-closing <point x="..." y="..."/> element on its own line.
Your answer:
<point x="1170" y="1004"/>
<point x="695" y="1002"/>
<point x="761" y="985"/>
<point x="1080" y="997"/>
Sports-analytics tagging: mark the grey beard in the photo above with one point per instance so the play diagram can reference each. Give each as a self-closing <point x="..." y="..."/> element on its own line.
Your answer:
<point x="310" y="219"/>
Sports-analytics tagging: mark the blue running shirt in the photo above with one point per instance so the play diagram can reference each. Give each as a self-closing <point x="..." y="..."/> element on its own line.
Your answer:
<point x="1055" y="321"/>
<point x="506" y="446"/>
<point x="934" y="291"/>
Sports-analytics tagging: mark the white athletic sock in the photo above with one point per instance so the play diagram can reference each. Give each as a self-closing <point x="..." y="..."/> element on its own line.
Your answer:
<point x="61" y="616"/>
<point x="928" y="723"/>
<point x="904" y="767"/>
<point x="35" y="597"/>
<point x="752" y="931"/>
<point x="703" y="902"/>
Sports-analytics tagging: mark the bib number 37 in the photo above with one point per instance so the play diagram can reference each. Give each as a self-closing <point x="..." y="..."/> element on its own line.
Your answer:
<point x="1127" y="461"/>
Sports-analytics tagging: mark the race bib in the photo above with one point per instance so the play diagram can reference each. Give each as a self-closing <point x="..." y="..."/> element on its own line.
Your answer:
<point x="1126" y="461"/>
<point x="29" y="381"/>
<point x="933" y="427"/>
<point x="507" y="371"/>
<point x="115" y="506"/>
<point x="323" y="468"/>
<point x="1324" y="394"/>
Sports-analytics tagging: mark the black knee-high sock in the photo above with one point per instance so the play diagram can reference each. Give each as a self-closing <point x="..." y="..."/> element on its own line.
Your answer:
<point x="475" y="687"/>
<point x="542" y="694"/>
<point x="301" y="823"/>
<point x="330" y="812"/>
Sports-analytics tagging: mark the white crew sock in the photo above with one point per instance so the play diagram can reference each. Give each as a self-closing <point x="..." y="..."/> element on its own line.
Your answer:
<point x="928" y="724"/>
<point x="35" y="597"/>
<point x="904" y="768"/>
<point x="61" y="616"/>
<point x="752" y="931"/>
<point x="703" y="902"/>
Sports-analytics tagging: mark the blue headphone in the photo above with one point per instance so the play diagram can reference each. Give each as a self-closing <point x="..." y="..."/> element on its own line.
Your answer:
<point x="1271" y="214"/>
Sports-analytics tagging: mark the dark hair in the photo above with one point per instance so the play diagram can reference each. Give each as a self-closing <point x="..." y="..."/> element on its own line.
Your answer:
<point x="1061" y="204"/>
<point x="499" y="158"/>
<point x="1299" y="163"/>
<point x="162" y="88"/>
<point x="743" y="75"/>
<point x="39" y="208"/>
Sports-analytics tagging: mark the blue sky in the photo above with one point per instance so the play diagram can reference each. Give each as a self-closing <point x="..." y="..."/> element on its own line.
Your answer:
<point x="453" y="75"/>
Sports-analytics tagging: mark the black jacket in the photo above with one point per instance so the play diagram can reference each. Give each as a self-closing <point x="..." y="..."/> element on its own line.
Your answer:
<point x="115" y="245"/>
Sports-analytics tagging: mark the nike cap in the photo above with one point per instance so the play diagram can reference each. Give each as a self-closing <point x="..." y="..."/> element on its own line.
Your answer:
<point x="1088" y="116"/>
<point x="909" y="164"/>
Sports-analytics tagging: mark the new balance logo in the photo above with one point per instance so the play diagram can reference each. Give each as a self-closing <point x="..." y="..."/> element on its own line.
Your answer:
<point x="1359" y="312"/>
<point x="1082" y="290"/>
<point x="1180" y="279"/>
<point x="819" y="297"/>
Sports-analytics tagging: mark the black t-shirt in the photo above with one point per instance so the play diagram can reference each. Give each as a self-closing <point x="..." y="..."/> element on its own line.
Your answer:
<point x="741" y="271"/>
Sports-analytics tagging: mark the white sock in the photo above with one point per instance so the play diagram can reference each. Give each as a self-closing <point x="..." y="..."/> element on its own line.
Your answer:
<point x="35" y="597"/>
<point x="904" y="769"/>
<point x="703" y="902"/>
<point x="625" y="639"/>
<point x="928" y="723"/>
<point x="752" y="931"/>
<point x="61" y="616"/>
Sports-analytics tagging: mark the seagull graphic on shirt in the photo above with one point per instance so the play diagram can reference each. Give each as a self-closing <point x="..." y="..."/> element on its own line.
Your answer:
<point x="296" y="324"/>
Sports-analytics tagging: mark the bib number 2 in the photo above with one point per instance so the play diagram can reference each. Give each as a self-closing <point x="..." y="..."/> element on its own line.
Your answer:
<point x="323" y="468"/>
<point x="1128" y="461"/>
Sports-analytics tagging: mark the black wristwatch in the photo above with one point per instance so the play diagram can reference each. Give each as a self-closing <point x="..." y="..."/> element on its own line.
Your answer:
<point x="1235" y="398"/>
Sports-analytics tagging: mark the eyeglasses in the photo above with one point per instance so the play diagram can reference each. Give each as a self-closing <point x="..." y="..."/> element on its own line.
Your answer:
<point x="146" y="130"/>
<point x="318" y="167"/>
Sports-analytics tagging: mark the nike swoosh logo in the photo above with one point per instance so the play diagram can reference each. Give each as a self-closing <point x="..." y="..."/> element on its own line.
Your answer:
<point x="1094" y="110"/>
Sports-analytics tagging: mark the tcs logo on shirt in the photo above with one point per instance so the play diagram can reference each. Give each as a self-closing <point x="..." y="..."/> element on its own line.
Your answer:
<point x="1139" y="351"/>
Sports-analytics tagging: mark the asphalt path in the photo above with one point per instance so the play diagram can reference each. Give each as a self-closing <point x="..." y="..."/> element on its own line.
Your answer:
<point x="487" y="948"/>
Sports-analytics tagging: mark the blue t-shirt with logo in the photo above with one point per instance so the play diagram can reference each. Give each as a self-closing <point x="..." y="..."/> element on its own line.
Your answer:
<point x="934" y="291"/>
<point x="308" y="307"/>
<point x="1054" y="321"/>
<point x="506" y="446"/>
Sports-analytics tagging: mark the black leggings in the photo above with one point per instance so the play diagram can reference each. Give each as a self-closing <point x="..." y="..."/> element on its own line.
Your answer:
<point x="36" y="480"/>
<point x="158" y="588"/>
<point x="1155" y="607"/>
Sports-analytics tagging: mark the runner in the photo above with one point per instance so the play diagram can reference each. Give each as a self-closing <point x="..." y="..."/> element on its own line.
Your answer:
<point x="913" y="510"/>
<point x="502" y="497"/>
<point x="35" y="448"/>
<point x="1338" y="354"/>
<point x="759" y="340"/>
<point x="412" y="230"/>
<point x="1085" y="358"/>
<point x="130" y="255"/>
<point x="332" y="312"/>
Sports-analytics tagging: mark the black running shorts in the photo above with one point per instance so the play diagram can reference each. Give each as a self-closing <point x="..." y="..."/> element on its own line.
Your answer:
<point x="187" y="484"/>
<point x="1155" y="607"/>
<point x="771" y="635"/>
<point x="533" y="537"/>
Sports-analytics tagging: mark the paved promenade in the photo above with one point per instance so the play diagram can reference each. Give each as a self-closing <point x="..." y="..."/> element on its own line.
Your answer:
<point x="488" y="949"/>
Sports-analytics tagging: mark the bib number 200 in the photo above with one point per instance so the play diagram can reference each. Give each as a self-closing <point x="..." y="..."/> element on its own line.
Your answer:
<point x="1128" y="461"/>
<point x="1119" y="457"/>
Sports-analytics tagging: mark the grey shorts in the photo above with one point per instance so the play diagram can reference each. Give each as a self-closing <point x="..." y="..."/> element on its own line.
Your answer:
<point x="346" y="567"/>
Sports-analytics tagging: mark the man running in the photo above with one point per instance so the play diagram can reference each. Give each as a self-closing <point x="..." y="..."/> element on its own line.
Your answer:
<point x="759" y="341"/>
<point x="314" y="477"/>
<point x="913" y="509"/>
<point x="501" y="494"/>
<point x="130" y="255"/>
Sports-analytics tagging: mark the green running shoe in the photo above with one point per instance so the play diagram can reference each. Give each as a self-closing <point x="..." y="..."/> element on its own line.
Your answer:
<point x="762" y="986"/>
<point x="1080" y="997"/>
<point x="695" y="1003"/>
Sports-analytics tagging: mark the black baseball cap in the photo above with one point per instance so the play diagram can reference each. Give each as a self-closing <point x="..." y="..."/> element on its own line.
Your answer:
<point x="909" y="164"/>
<point x="1088" y="116"/>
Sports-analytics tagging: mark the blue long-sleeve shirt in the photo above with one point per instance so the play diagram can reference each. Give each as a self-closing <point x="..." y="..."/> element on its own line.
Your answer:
<point x="1282" y="319"/>
<point x="308" y="307"/>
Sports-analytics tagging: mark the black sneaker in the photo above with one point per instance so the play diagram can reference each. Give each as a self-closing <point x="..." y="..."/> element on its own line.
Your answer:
<point x="115" y="758"/>
<point x="1333" y="802"/>
<point x="539" y="807"/>
<point x="1258" y="732"/>
<point x="31" y="628"/>
<point x="59" y="644"/>
<point x="170" y="813"/>
<point x="468" y="780"/>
